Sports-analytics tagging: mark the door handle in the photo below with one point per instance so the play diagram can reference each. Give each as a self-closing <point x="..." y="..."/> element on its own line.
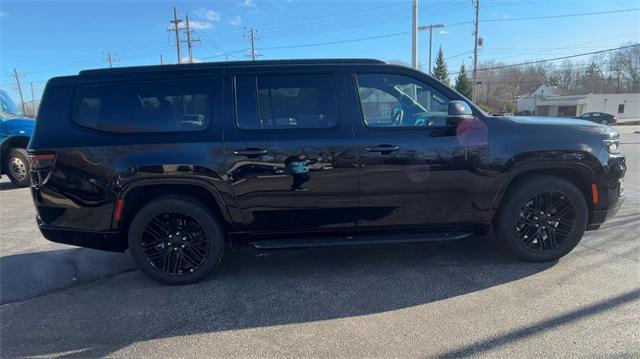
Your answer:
<point x="384" y="149"/>
<point x="250" y="152"/>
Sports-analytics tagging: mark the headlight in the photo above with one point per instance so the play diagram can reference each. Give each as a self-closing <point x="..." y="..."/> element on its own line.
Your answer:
<point x="613" y="146"/>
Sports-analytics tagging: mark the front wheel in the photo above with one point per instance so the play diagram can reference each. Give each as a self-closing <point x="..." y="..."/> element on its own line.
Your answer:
<point x="541" y="219"/>
<point x="176" y="240"/>
<point x="604" y="122"/>
<point x="17" y="165"/>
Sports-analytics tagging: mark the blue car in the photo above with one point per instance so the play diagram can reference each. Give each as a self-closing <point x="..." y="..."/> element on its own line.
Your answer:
<point x="15" y="132"/>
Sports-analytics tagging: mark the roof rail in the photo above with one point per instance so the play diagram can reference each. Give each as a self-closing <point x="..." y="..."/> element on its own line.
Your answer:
<point x="205" y="65"/>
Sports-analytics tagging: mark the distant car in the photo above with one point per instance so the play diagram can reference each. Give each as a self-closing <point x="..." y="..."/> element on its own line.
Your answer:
<point x="15" y="132"/>
<point x="599" y="117"/>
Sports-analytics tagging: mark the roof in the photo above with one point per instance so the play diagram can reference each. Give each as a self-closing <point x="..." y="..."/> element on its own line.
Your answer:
<point x="207" y="65"/>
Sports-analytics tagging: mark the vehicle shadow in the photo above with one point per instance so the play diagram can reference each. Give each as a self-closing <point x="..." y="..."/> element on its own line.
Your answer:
<point x="28" y="275"/>
<point x="255" y="289"/>
<point x="6" y="186"/>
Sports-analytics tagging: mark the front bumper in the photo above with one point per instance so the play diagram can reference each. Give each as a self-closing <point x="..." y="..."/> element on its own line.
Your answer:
<point x="601" y="216"/>
<point x="611" y="191"/>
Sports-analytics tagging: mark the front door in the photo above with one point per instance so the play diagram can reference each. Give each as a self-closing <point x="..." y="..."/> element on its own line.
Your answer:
<point x="415" y="168"/>
<point x="290" y="157"/>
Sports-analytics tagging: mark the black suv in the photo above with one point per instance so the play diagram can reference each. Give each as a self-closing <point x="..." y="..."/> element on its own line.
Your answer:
<point x="180" y="163"/>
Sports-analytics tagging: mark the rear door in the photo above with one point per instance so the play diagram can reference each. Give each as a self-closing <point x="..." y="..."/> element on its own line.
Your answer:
<point x="415" y="170"/>
<point x="290" y="155"/>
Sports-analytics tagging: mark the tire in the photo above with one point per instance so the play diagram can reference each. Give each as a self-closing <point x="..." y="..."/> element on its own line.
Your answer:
<point x="176" y="240"/>
<point x="17" y="167"/>
<point x="541" y="219"/>
<point x="604" y="122"/>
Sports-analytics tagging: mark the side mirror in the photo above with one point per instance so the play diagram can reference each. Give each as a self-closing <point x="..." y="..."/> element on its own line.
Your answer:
<point x="459" y="108"/>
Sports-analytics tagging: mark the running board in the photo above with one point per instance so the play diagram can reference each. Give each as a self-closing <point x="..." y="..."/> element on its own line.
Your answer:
<point x="357" y="240"/>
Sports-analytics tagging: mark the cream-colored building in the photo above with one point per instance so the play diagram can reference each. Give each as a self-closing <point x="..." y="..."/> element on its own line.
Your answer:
<point x="551" y="101"/>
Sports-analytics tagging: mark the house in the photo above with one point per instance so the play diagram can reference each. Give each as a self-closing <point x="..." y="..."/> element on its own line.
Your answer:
<point x="548" y="100"/>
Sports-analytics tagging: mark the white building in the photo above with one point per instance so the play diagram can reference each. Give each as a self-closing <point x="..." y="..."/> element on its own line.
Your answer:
<point x="551" y="101"/>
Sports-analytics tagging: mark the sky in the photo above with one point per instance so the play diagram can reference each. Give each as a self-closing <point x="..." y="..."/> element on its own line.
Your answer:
<point x="43" y="39"/>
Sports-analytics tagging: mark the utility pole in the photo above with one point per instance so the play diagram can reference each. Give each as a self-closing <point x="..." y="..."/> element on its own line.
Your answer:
<point x="189" y="39"/>
<point x="176" y="28"/>
<point x="251" y="36"/>
<point x="430" y="28"/>
<point x="15" y="72"/>
<point x="476" y="4"/>
<point x="33" y="102"/>
<point x="161" y="60"/>
<point x="110" y="59"/>
<point x="414" y="34"/>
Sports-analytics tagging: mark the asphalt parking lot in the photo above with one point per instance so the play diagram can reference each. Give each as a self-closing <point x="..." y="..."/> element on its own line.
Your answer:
<point x="446" y="299"/>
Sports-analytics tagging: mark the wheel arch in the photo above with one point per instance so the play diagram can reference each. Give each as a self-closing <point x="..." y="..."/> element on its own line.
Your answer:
<point x="579" y="174"/>
<point x="141" y="192"/>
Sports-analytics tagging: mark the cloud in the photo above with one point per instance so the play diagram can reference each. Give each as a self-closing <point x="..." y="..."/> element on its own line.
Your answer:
<point x="235" y="20"/>
<point x="200" y="25"/>
<point x="249" y="4"/>
<point x="443" y="32"/>
<point x="193" y="24"/>
<point x="3" y="14"/>
<point x="185" y="60"/>
<point x="208" y="14"/>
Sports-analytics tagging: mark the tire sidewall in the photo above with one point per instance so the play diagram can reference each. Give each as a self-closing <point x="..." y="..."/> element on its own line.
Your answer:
<point x="508" y="216"/>
<point x="193" y="208"/>
<point x="21" y="154"/>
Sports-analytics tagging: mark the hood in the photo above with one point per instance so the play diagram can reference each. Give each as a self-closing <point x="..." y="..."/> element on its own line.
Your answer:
<point x="17" y="127"/>
<point x="565" y="123"/>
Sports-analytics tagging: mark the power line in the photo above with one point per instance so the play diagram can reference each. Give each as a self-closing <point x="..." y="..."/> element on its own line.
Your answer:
<point x="553" y="59"/>
<point x="559" y="16"/>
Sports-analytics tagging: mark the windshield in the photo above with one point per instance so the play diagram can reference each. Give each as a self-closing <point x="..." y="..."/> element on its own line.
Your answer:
<point x="8" y="108"/>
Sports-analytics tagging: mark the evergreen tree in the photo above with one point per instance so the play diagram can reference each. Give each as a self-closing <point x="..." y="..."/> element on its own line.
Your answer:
<point x="463" y="83"/>
<point x="440" y="70"/>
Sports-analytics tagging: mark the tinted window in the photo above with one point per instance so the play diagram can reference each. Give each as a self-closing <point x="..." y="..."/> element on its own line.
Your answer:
<point x="621" y="108"/>
<point x="394" y="100"/>
<point x="144" y="106"/>
<point x="286" y="102"/>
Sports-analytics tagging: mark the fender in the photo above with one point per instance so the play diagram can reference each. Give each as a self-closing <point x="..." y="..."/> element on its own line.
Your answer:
<point x="220" y="202"/>
<point x="560" y="162"/>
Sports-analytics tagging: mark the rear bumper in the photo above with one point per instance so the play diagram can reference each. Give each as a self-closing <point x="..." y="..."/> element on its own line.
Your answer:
<point x="106" y="241"/>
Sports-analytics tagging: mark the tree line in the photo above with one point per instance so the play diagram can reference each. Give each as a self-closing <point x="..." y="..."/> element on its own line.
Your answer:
<point x="499" y="88"/>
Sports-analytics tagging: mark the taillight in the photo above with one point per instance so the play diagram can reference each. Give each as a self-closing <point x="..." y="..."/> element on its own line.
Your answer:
<point x="40" y="161"/>
<point x="41" y="164"/>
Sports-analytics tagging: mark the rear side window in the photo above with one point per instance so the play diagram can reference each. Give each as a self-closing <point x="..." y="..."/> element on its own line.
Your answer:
<point x="286" y="101"/>
<point x="145" y="106"/>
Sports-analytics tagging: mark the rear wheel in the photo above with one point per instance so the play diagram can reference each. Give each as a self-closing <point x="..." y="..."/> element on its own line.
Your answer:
<point x="17" y="165"/>
<point x="542" y="218"/>
<point x="176" y="240"/>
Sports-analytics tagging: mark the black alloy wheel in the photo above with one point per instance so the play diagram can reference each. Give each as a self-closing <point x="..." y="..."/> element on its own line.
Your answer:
<point x="546" y="220"/>
<point x="175" y="243"/>
<point x="541" y="218"/>
<point x="176" y="240"/>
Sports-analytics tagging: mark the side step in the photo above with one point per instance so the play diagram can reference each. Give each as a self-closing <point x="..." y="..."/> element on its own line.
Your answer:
<point x="357" y="240"/>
